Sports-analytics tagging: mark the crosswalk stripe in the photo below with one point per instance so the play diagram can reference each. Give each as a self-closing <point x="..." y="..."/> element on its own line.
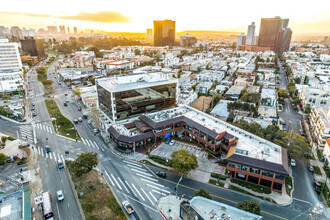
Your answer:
<point x="144" y="170"/>
<point x="131" y="188"/>
<point x="47" y="128"/>
<point x="163" y="194"/>
<point x="115" y="181"/>
<point x="152" y="195"/>
<point x="141" y="172"/>
<point x="145" y="180"/>
<point x="162" y="190"/>
<point x="138" y="165"/>
<point x="63" y="159"/>
<point x="102" y="149"/>
<point x="46" y="155"/>
<point x="39" y="150"/>
<point x="55" y="157"/>
<point x="147" y="196"/>
<point x="109" y="178"/>
<point x="42" y="152"/>
<point x="138" y="192"/>
<point x="87" y="142"/>
<point x="146" y="177"/>
<point x="92" y="143"/>
<point x="83" y="140"/>
<point x="96" y="145"/>
<point x="50" y="155"/>
<point x="50" y="130"/>
<point x="27" y="129"/>
<point x="123" y="185"/>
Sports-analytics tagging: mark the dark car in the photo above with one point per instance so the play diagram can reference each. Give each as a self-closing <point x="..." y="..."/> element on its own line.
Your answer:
<point x="161" y="174"/>
<point x="34" y="114"/>
<point x="65" y="104"/>
<point x="75" y="121"/>
<point x="66" y="94"/>
<point x="317" y="187"/>
<point x="168" y="141"/>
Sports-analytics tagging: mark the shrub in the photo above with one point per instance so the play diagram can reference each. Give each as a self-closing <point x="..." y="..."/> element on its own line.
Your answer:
<point x="252" y="186"/>
<point x="161" y="160"/>
<point x="11" y="138"/>
<point x="218" y="176"/>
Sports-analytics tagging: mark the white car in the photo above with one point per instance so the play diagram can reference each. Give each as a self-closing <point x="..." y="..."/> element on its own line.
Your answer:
<point x="172" y="142"/>
<point x="293" y="162"/>
<point x="60" y="195"/>
<point x="128" y="208"/>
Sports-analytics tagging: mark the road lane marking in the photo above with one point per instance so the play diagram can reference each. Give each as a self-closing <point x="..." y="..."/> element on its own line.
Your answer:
<point x="63" y="159"/>
<point x="87" y="142"/>
<point x="46" y="154"/>
<point x="149" y="178"/>
<point x="47" y="128"/>
<point x="123" y="185"/>
<point x="155" y="187"/>
<point x="152" y="195"/>
<point x="131" y="188"/>
<point x="109" y="178"/>
<point x="96" y="145"/>
<point x="83" y="140"/>
<point x="39" y="151"/>
<point x="55" y="157"/>
<point x="115" y="181"/>
<point x="44" y="127"/>
<point x="92" y="143"/>
<point x="141" y="172"/>
<point x="158" y="192"/>
<point x="138" y="165"/>
<point x="50" y="130"/>
<point x="138" y="201"/>
<point x="144" y="170"/>
<point x="138" y="192"/>
<point x="147" y="197"/>
<point x="145" y="180"/>
<point x="50" y="155"/>
<point x="102" y="149"/>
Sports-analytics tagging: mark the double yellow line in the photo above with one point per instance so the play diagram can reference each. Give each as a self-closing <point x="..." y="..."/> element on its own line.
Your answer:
<point x="221" y="198"/>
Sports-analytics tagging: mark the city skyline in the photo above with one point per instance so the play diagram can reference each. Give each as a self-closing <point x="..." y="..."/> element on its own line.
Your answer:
<point x="305" y="18"/>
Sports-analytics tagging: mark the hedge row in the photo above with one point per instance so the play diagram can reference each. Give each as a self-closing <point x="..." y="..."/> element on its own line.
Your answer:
<point x="218" y="176"/>
<point x="161" y="160"/>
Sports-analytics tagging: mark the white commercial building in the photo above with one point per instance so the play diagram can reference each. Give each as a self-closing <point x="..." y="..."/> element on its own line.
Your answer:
<point x="9" y="56"/>
<point x="250" y="34"/>
<point x="10" y="81"/>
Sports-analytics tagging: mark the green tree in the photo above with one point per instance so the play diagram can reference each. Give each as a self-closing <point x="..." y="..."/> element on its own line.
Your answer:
<point x="203" y="193"/>
<point x="93" y="81"/>
<point x="77" y="91"/>
<point x="84" y="163"/>
<point x="199" y="94"/>
<point x="3" y="159"/>
<point x="282" y="93"/>
<point x="183" y="161"/>
<point x="297" y="80"/>
<point x="250" y="206"/>
<point x="137" y="52"/>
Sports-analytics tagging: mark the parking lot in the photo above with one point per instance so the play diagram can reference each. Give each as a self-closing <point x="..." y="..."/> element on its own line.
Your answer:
<point x="206" y="166"/>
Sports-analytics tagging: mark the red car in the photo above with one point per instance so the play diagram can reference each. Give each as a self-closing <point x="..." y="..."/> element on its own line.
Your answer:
<point x="66" y="94"/>
<point x="79" y="109"/>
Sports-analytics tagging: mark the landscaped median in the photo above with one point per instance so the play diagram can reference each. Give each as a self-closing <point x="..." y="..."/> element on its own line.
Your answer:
<point x="42" y="77"/>
<point x="64" y="125"/>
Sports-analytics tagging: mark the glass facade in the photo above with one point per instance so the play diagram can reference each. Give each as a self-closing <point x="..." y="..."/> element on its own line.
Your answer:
<point x="134" y="102"/>
<point x="104" y="97"/>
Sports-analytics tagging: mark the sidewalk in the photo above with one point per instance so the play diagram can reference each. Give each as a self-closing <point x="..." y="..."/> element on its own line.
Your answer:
<point x="317" y="162"/>
<point x="169" y="207"/>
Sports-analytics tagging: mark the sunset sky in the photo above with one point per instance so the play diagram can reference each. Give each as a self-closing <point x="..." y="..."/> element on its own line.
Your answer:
<point x="137" y="16"/>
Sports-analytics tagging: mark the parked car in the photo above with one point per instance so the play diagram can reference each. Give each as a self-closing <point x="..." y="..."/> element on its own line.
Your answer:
<point x="79" y="108"/>
<point x="283" y="123"/>
<point x="60" y="195"/>
<point x="317" y="187"/>
<point x="161" y="174"/>
<point x="128" y="207"/>
<point x="168" y="141"/>
<point x="80" y="119"/>
<point x="75" y="121"/>
<point x="65" y="104"/>
<point x="311" y="168"/>
<point x="95" y="131"/>
<point x="293" y="162"/>
<point x="34" y="114"/>
<point x="172" y="142"/>
<point x="89" y="122"/>
<point x="25" y="144"/>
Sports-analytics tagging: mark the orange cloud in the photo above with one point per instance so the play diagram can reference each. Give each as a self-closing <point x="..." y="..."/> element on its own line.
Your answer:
<point x="101" y="16"/>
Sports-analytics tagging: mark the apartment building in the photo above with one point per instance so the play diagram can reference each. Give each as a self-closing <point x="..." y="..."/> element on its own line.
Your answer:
<point x="326" y="151"/>
<point x="320" y="124"/>
<point x="315" y="97"/>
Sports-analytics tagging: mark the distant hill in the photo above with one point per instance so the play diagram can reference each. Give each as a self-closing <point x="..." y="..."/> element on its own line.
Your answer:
<point x="196" y="33"/>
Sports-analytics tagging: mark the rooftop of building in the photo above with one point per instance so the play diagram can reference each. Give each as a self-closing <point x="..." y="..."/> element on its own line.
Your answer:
<point x="324" y="114"/>
<point x="209" y="209"/>
<point x="11" y="206"/>
<point x="202" y="103"/>
<point x="135" y="81"/>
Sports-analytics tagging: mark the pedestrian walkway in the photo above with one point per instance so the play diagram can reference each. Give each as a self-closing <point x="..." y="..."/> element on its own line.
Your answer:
<point x="51" y="155"/>
<point x="149" y="190"/>
<point x="25" y="132"/>
<point x="92" y="144"/>
<point x="44" y="127"/>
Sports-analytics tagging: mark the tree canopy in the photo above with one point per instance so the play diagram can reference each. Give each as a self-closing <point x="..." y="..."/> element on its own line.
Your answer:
<point x="84" y="163"/>
<point x="203" y="193"/>
<point x="77" y="91"/>
<point x="250" y="206"/>
<point x="183" y="161"/>
<point x="3" y="159"/>
<point x="282" y="93"/>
